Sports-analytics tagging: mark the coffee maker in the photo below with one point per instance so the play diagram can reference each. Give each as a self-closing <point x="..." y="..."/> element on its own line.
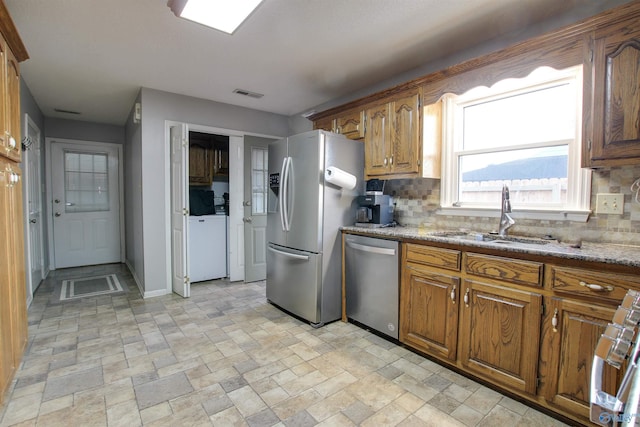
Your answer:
<point x="374" y="208"/>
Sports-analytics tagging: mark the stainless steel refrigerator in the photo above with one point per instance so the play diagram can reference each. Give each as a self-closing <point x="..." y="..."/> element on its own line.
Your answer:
<point x="304" y="216"/>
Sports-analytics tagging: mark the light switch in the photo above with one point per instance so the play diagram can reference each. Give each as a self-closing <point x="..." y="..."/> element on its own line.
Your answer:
<point x="609" y="203"/>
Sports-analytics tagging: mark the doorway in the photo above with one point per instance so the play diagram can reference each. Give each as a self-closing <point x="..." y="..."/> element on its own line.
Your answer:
<point x="86" y="204"/>
<point x="236" y="227"/>
<point x="256" y="182"/>
<point x="35" y="267"/>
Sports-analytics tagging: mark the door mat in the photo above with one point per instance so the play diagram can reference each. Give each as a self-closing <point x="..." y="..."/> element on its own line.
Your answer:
<point x="90" y="287"/>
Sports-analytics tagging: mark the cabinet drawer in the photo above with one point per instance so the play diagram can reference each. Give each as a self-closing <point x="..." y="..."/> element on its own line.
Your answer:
<point x="436" y="257"/>
<point x="598" y="284"/>
<point x="512" y="270"/>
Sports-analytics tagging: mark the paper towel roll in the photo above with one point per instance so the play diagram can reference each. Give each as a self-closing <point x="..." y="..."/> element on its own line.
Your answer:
<point x="340" y="178"/>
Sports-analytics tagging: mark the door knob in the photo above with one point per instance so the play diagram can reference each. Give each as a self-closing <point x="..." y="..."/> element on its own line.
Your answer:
<point x="58" y="214"/>
<point x="57" y="200"/>
<point x="247" y="219"/>
<point x="32" y="221"/>
<point x="246" y="203"/>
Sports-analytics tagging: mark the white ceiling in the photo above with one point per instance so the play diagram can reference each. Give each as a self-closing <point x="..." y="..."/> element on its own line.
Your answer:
<point x="92" y="56"/>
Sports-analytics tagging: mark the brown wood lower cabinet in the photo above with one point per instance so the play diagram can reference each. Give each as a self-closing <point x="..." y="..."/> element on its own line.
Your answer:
<point x="13" y="312"/>
<point x="499" y="334"/>
<point x="524" y="324"/>
<point x="429" y="307"/>
<point x="567" y="353"/>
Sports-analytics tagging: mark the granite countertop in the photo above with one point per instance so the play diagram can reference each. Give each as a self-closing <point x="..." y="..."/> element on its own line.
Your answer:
<point x="588" y="251"/>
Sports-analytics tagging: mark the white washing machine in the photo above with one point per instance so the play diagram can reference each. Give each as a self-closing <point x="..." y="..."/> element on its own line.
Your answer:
<point x="207" y="247"/>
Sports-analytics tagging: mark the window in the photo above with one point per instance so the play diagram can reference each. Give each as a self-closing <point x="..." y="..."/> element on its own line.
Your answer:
<point x="259" y="176"/>
<point x="86" y="182"/>
<point x="525" y="133"/>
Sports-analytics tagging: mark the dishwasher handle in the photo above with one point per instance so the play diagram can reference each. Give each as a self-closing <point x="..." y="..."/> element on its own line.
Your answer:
<point x="371" y="249"/>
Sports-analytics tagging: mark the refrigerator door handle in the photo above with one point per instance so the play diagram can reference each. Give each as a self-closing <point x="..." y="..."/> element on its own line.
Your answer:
<point x="285" y="191"/>
<point x="282" y="193"/>
<point x="371" y="249"/>
<point x="290" y="255"/>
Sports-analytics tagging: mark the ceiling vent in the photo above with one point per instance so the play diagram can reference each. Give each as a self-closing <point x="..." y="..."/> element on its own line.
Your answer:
<point x="60" y="110"/>
<point x="248" y="93"/>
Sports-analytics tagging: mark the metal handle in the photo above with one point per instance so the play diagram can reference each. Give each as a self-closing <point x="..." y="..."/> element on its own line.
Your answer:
<point x="32" y="221"/>
<point x="57" y="200"/>
<point x="371" y="249"/>
<point x="70" y="204"/>
<point x="246" y="219"/>
<point x="290" y="255"/>
<point x="57" y="214"/>
<point x="246" y="203"/>
<point x="453" y="294"/>
<point x="384" y="162"/>
<point x="597" y="288"/>
<point x="554" y="320"/>
<point x="287" y="170"/>
<point x="12" y="142"/>
<point x="391" y="160"/>
<point x="466" y="298"/>
<point x="281" y="197"/>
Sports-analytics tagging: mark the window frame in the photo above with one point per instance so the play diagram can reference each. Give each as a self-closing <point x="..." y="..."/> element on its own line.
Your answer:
<point x="577" y="206"/>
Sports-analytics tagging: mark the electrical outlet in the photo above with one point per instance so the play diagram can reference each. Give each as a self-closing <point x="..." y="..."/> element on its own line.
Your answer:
<point x="609" y="203"/>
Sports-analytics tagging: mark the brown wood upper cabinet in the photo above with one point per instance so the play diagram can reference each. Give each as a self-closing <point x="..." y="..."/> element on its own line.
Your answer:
<point x="200" y="162"/>
<point x="10" y="102"/>
<point x="350" y="124"/>
<point x="613" y="135"/>
<point x="392" y="141"/>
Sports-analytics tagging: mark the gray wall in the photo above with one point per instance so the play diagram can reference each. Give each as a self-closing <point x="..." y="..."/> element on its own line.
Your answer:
<point x="83" y="131"/>
<point x="158" y="107"/>
<point x="133" y="216"/>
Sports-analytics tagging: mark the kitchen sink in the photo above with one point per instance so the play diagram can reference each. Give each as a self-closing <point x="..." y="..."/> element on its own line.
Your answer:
<point x="494" y="238"/>
<point x="491" y="238"/>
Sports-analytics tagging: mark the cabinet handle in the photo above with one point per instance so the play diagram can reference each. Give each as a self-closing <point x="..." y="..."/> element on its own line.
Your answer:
<point x="554" y="320"/>
<point x="391" y="160"/>
<point x="597" y="288"/>
<point x="12" y="142"/>
<point x="339" y="129"/>
<point x="384" y="162"/>
<point x="453" y="294"/>
<point x="466" y="298"/>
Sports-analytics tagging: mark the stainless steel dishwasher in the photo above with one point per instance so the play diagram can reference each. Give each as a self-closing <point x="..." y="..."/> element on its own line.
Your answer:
<point x="371" y="282"/>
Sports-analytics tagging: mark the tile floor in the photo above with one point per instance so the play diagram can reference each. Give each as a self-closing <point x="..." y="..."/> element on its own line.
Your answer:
<point x="226" y="357"/>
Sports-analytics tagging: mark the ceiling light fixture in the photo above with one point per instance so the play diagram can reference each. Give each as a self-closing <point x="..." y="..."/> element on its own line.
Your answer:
<point x="222" y="15"/>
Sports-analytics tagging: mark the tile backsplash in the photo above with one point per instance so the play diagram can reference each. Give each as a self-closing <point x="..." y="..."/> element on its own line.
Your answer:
<point x="417" y="201"/>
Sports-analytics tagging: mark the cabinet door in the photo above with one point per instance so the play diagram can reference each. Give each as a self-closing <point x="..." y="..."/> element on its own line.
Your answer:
<point x="351" y="124"/>
<point x="567" y="351"/>
<point x="405" y="134"/>
<point x="221" y="158"/>
<point x="200" y="163"/>
<point x="500" y="333"/>
<point x="377" y="141"/>
<point x="429" y="311"/>
<point x="616" y="97"/>
<point x="7" y="366"/>
<point x="13" y="315"/>
<point x="12" y="115"/>
<point x="327" y="124"/>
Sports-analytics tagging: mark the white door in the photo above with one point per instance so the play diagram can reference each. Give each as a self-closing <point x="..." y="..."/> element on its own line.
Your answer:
<point x="179" y="210"/>
<point x="236" y="210"/>
<point x="256" y="184"/>
<point x="85" y="203"/>
<point x="33" y="208"/>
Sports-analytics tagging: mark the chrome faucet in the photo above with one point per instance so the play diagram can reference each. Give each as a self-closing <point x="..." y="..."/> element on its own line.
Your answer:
<point x="506" y="221"/>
